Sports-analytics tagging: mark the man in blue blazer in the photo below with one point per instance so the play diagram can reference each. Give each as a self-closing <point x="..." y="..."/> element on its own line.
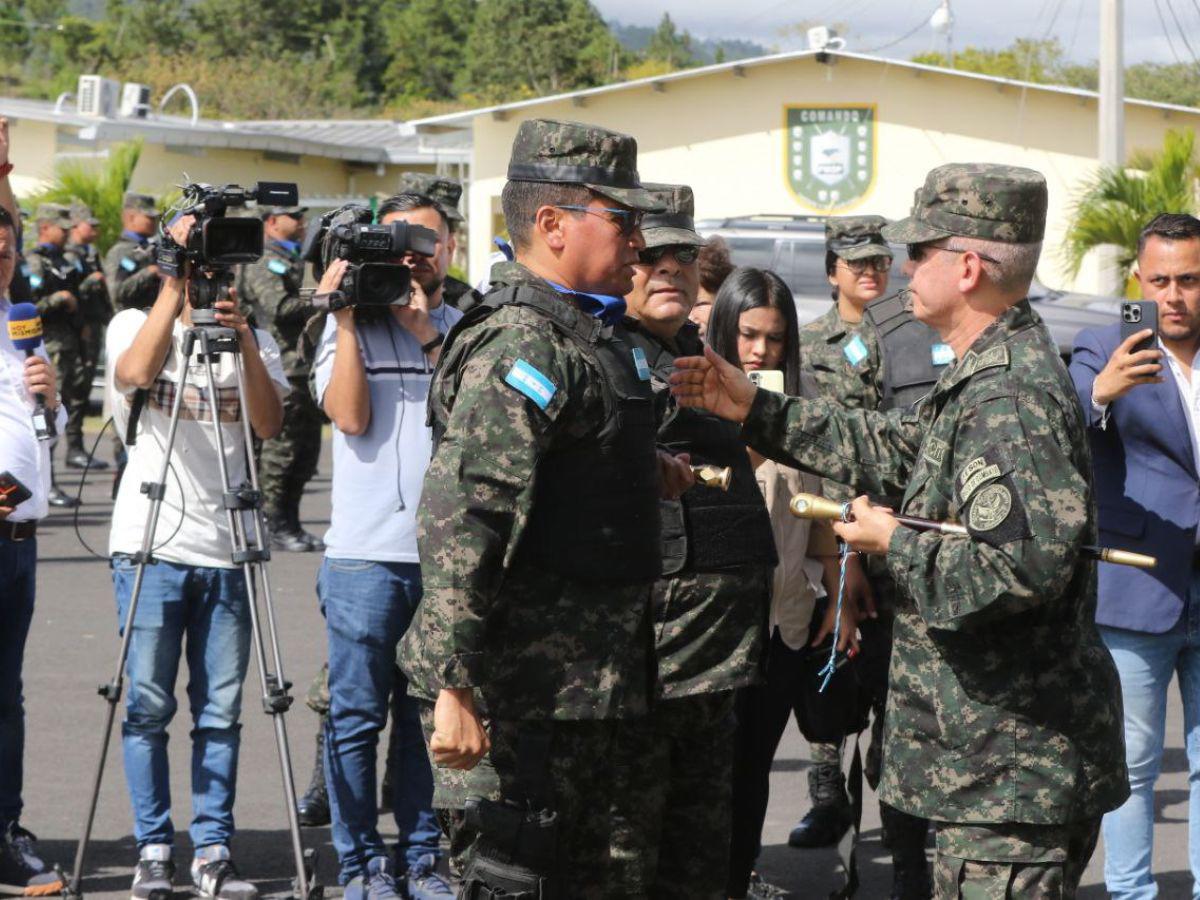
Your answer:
<point x="1143" y="411"/>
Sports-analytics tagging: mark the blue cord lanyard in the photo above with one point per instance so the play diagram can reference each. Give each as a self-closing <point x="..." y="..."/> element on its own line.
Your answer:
<point x="831" y="667"/>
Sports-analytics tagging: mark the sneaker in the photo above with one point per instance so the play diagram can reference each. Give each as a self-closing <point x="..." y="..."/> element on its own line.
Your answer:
<point x="155" y="873"/>
<point x="424" y="883"/>
<point x="216" y="877"/>
<point x="763" y="890"/>
<point x="379" y="882"/>
<point x="22" y="873"/>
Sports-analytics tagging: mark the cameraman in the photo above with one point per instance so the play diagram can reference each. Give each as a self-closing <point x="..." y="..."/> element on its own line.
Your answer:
<point x="372" y="373"/>
<point x="193" y="589"/>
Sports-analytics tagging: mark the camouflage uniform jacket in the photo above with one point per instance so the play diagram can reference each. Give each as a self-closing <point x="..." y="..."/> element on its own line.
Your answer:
<point x="534" y="644"/>
<point x="94" y="304"/>
<point x="270" y="288"/>
<point x="709" y="627"/>
<point x="844" y="360"/>
<point x="131" y="283"/>
<point x="52" y="277"/>
<point x="1003" y="704"/>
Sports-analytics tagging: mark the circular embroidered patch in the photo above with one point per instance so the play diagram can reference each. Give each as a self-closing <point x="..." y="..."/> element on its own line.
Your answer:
<point x="990" y="507"/>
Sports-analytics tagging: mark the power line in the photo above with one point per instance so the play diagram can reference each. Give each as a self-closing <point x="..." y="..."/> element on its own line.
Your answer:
<point x="904" y="37"/>
<point x="1182" y="33"/>
<point x="1167" y="33"/>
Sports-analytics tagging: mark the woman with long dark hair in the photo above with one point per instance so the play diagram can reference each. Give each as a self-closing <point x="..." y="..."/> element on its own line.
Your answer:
<point x="753" y="325"/>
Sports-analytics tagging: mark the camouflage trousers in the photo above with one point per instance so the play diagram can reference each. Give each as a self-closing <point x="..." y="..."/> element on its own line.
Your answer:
<point x="289" y="460"/>
<point x="66" y="352"/>
<point x="582" y="786"/>
<point x="1012" y="861"/>
<point x="672" y="809"/>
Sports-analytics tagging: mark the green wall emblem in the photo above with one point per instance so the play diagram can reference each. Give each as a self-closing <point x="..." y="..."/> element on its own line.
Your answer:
<point x="829" y="152"/>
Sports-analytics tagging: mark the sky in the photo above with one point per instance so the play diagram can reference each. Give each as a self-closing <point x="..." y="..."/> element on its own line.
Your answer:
<point x="878" y="25"/>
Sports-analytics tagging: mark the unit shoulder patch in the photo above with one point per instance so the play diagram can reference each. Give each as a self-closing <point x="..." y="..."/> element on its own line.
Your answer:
<point x="527" y="380"/>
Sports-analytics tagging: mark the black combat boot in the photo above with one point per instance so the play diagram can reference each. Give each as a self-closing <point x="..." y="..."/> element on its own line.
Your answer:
<point x="829" y="819"/>
<point x="286" y="535"/>
<point x="910" y="868"/>
<point x="313" y="807"/>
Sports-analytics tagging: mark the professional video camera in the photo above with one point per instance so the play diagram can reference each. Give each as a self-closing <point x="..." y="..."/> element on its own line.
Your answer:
<point x="373" y="278"/>
<point x="218" y="242"/>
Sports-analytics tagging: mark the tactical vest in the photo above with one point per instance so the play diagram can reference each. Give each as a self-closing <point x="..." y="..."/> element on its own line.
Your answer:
<point x="55" y="272"/>
<point x="707" y="529"/>
<point x="594" y="515"/>
<point x="907" y="349"/>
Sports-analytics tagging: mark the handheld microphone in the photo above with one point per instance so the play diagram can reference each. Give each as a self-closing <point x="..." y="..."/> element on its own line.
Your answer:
<point x="25" y="332"/>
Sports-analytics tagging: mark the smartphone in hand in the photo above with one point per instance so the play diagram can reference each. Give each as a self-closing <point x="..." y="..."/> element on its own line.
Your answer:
<point x="1138" y="315"/>
<point x="768" y="379"/>
<point x="12" y="492"/>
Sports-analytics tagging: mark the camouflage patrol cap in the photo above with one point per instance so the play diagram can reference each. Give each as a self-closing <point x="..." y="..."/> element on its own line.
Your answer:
<point x="856" y="237"/>
<point x="573" y="153"/>
<point x="81" y="212"/>
<point x="142" y="203"/>
<point x="980" y="200"/>
<point x="283" y="211"/>
<point x="676" y="224"/>
<point x="53" y="212"/>
<point x="442" y="188"/>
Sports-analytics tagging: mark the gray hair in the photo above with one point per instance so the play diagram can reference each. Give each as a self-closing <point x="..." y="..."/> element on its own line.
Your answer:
<point x="1014" y="266"/>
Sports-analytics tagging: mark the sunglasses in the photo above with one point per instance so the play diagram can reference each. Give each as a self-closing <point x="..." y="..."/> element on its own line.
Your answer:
<point x="916" y="252"/>
<point x="627" y="220"/>
<point x="683" y="253"/>
<point x="877" y="264"/>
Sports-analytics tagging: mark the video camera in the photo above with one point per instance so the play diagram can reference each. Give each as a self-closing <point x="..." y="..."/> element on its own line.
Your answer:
<point x="373" y="278"/>
<point x="218" y="242"/>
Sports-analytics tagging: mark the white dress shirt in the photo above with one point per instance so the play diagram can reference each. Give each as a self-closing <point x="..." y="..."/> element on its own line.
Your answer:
<point x="21" y="454"/>
<point x="1189" y="393"/>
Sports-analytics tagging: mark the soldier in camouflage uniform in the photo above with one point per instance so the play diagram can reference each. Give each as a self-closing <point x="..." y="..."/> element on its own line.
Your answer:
<point x="447" y="192"/>
<point x="95" y="310"/>
<point x="270" y="288"/>
<point x="1004" y="711"/>
<point x="129" y="265"/>
<point x="710" y="608"/>
<point x="54" y="283"/>
<point x="539" y="521"/>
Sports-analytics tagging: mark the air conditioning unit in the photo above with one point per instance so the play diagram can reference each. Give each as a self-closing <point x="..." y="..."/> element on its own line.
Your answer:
<point x="97" y="96"/>
<point x="135" y="100"/>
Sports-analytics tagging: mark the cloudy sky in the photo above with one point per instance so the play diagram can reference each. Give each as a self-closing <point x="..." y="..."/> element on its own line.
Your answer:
<point x="878" y="25"/>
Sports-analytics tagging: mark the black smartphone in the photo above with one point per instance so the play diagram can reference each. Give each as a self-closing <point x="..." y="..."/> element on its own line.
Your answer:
<point x="1138" y="315"/>
<point x="12" y="492"/>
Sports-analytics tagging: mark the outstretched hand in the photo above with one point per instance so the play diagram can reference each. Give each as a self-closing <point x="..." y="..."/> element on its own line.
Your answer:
<point x="710" y="382"/>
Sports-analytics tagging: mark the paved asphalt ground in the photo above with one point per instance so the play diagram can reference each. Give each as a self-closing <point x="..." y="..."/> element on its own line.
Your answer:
<point x="73" y="648"/>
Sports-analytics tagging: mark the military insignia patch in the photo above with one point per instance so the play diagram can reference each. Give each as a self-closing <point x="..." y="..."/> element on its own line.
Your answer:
<point x="941" y="354"/>
<point x="278" y="266"/>
<point x="639" y="363"/>
<point x="855" y="350"/>
<point x="128" y="264"/>
<point x="990" y="508"/>
<point x="532" y="383"/>
<point x="35" y="281"/>
<point x="934" y="450"/>
<point x="829" y="153"/>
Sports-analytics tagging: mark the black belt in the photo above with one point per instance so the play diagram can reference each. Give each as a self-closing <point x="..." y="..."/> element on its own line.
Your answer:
<point x="18" y="531"/>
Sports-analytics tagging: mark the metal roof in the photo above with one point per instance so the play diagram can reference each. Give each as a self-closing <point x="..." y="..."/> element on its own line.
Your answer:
<point x="450" y="121"/>
<point x="355" y="140"/>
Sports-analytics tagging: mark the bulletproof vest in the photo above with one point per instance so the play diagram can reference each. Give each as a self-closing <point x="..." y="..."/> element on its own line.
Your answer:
<point x="707" y="529"/>
<point x="55" y="272"/>
<point x="913" y="356"/>
<point x="594" y="515"/>
<point x="459" y="294"/>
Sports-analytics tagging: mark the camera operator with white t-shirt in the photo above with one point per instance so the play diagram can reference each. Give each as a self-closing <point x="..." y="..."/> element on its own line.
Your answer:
<point x="193" y="590"/>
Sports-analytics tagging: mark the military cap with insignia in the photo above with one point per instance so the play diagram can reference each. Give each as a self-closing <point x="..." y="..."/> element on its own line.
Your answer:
<point x="676" y="223"/>
<point x="295" y="211"/>
<point x="142" y="203"/>
<point x="856" y="237"/>
<point x="81" y="212"/>
<point x="53" y="212"/>
<point x="574" y="153"/>
<point x="978" y="200"/>
<point x="441" y="188"/>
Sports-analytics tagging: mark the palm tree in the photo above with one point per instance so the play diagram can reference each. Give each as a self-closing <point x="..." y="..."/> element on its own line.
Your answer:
<point x="102" y="188"/>
<point x="1116" y="203"/>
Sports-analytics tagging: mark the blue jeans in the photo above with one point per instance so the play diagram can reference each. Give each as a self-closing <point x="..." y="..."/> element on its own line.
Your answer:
<point x="367" y="607"/>
<point x="209" y="607"/>
<point x="18" y="564"/>
<point x="1145" y="663"/>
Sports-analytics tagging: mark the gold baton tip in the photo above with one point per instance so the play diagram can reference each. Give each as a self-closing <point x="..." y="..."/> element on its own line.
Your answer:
<point x="810" y="506"/>
<point x="714" y="477"/>
<point x="1128" y="558"/>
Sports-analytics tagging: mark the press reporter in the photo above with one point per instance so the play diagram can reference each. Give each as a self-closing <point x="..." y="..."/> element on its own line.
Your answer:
<point x="193" y="591"/>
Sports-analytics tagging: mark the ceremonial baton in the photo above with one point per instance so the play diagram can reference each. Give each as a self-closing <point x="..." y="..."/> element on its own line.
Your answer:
<point x="714" y="477"/>
<point x="810" y="506"/>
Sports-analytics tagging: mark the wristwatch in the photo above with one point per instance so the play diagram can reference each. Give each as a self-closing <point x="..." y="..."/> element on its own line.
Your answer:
<point x="433" y="345"/>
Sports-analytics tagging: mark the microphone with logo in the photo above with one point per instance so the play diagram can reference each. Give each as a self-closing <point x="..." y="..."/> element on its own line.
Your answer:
<point x="25" y="332"/>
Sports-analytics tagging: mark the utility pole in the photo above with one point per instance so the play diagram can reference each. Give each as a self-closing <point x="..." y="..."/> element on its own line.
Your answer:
<point x="1111" y="150"/>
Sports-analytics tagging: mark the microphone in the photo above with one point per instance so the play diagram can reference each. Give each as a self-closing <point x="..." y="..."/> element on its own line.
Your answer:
<point x="25" y="332"/>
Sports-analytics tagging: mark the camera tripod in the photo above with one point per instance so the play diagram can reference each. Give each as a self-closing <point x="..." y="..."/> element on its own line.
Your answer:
<point x="249" y="553"/>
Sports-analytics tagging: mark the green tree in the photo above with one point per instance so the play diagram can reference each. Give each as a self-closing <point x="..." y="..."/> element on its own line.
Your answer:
<point x="100" y="187"/>
<point x="1024" y="60"/>
<point x="667" y="45"/>
<point x="1177" y="83"/>
<point x="1114" y="205"/>
<point x="521" y="48"/>
<point x="427" y="40"/>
